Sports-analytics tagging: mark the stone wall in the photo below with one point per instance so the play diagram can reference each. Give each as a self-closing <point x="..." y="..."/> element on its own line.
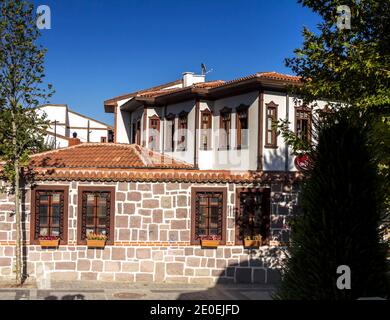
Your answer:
<point x="152" y="240"/>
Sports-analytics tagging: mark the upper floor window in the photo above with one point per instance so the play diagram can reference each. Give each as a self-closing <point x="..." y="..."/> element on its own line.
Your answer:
<point x="205" y="126"/>
<point x="270" y="130"/>
<point x="110" y="136"/>
<point x="49" y="213"/>
<point x="183" y="128"/>
<point x="154" y="132"/>
<point x="96" y="212"/>
<point x="136" y="132"/>
<point x="170" y="135"/>
<point x="303" y="123"/>
<point x="225" y="125"/>
<point x="208" y="211"/>
<point x="242" y="127"/>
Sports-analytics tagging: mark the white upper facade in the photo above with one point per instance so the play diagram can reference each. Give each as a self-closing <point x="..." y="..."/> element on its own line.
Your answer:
<point x="215" y="125"/>
<point x="66" y="124"/>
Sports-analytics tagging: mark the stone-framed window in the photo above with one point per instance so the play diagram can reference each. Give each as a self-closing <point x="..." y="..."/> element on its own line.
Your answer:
<point x="253" y="207"/>
<point x="49" y="213"/>
<point x="208" y="213"/>
<point x="96" y="212"/>
<point x="270" y="130"/>
<point x="242" y="126"/>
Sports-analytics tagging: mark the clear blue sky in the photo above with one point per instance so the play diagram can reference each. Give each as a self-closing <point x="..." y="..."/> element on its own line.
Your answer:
<point x="98" y="49"/>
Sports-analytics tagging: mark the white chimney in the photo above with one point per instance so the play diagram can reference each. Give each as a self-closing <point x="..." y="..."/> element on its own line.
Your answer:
<point x="189" y="78"/>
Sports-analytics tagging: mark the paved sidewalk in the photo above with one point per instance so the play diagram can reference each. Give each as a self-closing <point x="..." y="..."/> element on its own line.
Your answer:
<point x="94" y="290"/>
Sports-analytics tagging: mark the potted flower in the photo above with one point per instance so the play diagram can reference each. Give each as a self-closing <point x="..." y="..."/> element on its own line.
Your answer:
<point x="210" y="241"/>
<point x="95" y="240"/>
<point x="252" y="241"/>
<point x="49" y="241"/>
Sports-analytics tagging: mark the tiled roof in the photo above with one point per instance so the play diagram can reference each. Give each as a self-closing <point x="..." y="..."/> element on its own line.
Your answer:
<point x="132" y="163"/>
<point x="164" y="175"/>
<point x="160" y="91"/>
<point x="104" y="155"/>
<point x="132" y="94"/>
<point x="272" y="75"/>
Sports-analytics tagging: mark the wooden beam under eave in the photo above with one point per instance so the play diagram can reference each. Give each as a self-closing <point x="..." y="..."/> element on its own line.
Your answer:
<point x="197" y="103"/>
<point x="260" y="130"/>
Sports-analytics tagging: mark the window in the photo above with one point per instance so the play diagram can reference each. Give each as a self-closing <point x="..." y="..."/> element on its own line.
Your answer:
<point x="170" y="136"/>
<point x="96" y="212"/>
<point x="253" y="213"/>
<point x="208" y="211"/>
<point x="242" y="127"/>
<point x="303" y="123"/>
<point x="49" y="213"/>
<point x="270" y="131"/>
<point x="154" y="130"/>
<point x="183" y="127"/>
<point x="224" y="126"/>
<point x="205" y="127"/>
<point x="103" y="139"/>
<point x="110" y="136"/>
<point x="138" y="132"/>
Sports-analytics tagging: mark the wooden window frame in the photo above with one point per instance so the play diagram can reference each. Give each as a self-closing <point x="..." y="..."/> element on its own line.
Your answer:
<point x="274" y="135"/>
<point x="225" y="111"/>
<point x="195" y="190"/>
<point x="138" y="132"/>
<point x="240" y="109"/>
<point x="80" y="191"/>
<point x="306" y="110"/>
<point x="209" y="128"/>
<point x="267" y="192"/>
<point x="33" y="216"/>
<point x="182" y="119"/>
<point x="171" y="119"/>
<point x="154" y="118"/>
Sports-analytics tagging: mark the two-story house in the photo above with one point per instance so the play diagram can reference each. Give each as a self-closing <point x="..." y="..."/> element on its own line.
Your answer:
<point x="66" y="124"/>
<point x="193" y="160"/>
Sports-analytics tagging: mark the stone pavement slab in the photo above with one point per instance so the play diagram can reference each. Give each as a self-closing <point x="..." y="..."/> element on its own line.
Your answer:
<point x="94" y="290"/>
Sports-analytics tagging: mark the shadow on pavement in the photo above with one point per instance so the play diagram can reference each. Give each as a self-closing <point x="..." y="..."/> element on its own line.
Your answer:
<point x="251" y="284"/>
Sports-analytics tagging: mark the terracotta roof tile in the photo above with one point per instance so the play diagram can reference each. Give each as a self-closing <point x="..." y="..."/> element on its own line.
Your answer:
<point x="160" y="91"/>
<point x="104" y="155"/>
<point x="164" y="175"/>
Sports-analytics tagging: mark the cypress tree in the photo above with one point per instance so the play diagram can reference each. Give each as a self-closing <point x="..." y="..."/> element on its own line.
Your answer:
<point x="342" y="202"/>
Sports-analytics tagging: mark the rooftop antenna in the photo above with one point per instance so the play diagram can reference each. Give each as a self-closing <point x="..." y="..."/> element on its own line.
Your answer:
<point x="204" y="69"/>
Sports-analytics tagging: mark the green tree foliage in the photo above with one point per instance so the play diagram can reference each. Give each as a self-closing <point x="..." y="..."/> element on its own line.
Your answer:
<point x="346" y="196"/>
<point x="342" y="202"/>
<point x="347" y="65"/>
<point x="21" y="90"/>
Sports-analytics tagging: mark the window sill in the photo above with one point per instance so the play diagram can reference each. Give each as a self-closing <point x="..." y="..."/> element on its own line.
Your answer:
<point x="241" y="148"/>
<point x="270" y="146"/>
<point x="224" y="149"/>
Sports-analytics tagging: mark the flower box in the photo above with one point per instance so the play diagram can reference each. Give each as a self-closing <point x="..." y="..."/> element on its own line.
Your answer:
<point x="53" y="243"/>
<point x="209" y="243"/>
<point x="96" y="243"/>
<point x="252" y="243"/>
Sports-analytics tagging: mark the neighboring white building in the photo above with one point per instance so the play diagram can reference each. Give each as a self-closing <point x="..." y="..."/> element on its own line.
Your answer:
<point x="66" y="124"/>
<point x="228" y="123"/>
